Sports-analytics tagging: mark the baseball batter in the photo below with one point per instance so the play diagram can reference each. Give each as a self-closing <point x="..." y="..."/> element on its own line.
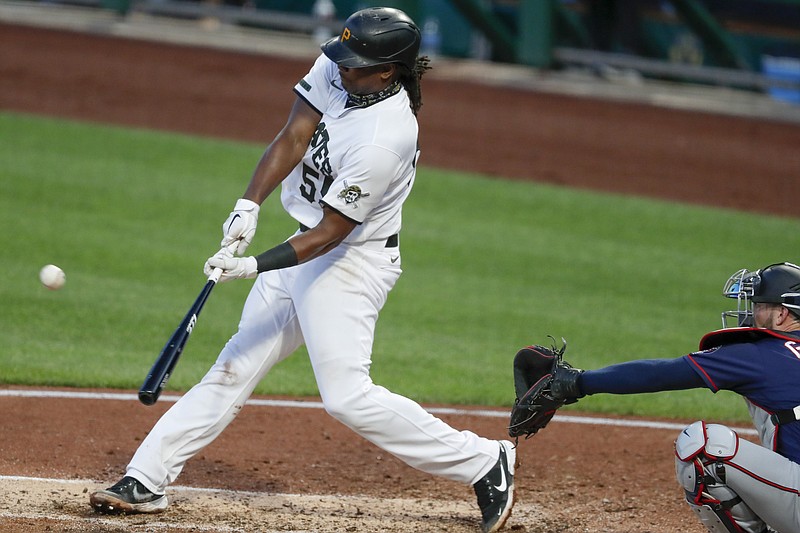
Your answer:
<point x="346" y="161"/>
<point x="733" y="485"/>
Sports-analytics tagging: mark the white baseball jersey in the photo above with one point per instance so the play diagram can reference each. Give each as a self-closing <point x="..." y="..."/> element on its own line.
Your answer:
<point x="360" y="162"/>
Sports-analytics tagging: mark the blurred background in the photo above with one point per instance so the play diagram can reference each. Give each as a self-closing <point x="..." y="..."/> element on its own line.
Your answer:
<point x="753" y="45"/>
<point x="514" y="253"/>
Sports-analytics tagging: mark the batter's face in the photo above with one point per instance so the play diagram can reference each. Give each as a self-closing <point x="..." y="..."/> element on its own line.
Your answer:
<point x="366" y="80"/>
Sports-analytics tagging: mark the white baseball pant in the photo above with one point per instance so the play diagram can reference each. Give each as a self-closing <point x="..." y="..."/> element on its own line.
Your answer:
<point x="332" y="304"/>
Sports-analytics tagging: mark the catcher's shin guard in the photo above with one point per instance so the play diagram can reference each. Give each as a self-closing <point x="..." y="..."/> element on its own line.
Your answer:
<point x="701" y="452"/>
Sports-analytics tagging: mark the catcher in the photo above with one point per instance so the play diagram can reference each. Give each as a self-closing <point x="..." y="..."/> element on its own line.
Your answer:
<point x="732" y="484"/>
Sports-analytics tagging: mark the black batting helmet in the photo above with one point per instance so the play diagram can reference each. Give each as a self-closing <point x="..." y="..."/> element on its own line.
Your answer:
<point x="778" y="283"/>
<point x="375" y="36"/>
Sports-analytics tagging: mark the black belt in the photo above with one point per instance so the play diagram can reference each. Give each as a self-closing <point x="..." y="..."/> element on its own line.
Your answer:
<point x="785" y="416"/>
<point x="392" y="242"/>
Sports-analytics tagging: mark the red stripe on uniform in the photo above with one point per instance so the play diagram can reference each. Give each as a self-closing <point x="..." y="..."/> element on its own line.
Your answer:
<point x="762" y="480"/>
<point x="700" y="368"/>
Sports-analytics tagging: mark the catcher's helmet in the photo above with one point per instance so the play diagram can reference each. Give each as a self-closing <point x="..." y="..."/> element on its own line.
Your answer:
<point x="776" y="284"/>
<point x="375" y="36"/>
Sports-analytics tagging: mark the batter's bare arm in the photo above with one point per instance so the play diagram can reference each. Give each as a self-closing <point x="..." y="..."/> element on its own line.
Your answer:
<point x="319" y="240"/>
<point x="325" y="236"/>
<point x="280" y="157"/>
<point x="284" y="153"/>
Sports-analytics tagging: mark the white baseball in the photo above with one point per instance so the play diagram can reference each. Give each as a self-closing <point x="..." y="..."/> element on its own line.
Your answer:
<point x="52" y="277"/>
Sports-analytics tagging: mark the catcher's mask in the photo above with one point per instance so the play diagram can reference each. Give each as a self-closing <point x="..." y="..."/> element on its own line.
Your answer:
<point x="778" y="283"/>
<point x="375" y="36"/>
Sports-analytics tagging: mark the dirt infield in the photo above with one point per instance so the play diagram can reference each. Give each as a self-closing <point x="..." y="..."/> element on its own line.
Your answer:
<point x="297" y="470"/>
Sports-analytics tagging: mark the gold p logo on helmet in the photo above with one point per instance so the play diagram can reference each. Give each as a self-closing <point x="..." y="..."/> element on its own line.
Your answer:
<point x="346" y="34"/>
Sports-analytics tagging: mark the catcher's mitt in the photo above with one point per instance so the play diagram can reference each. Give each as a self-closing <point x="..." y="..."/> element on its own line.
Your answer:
<point x="543" y="383"/>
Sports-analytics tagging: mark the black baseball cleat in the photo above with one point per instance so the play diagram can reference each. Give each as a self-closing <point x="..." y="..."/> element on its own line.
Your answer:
<point x="495" y="490"/>
<point x="128" y="496"/>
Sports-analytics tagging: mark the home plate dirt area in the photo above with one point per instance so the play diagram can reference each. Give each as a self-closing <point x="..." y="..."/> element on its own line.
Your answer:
<point x="287" y="466"/>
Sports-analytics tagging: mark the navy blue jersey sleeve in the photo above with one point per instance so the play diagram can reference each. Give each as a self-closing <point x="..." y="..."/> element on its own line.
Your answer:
<point x="645" y="375"/>
<point x="736" y="367"/>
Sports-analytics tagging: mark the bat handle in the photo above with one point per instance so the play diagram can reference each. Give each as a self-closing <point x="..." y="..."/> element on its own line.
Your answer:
<point x="215" y="274"/>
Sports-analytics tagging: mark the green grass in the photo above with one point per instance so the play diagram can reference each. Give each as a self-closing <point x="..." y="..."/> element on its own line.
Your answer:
<point x="490" y="266"/>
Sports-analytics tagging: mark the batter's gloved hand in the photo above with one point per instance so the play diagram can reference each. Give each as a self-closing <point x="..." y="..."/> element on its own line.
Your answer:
<point x="232" y="267"/>
<point x="240" y="225"/>
<point x="543" y="383"/>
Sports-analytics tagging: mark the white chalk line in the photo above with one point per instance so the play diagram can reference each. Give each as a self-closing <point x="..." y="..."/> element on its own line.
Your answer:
<point x="111" y="523"/>
<point x="297" y="404"/>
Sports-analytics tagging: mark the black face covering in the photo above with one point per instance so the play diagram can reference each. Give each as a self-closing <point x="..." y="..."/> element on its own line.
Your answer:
<point x="366" y="100"/>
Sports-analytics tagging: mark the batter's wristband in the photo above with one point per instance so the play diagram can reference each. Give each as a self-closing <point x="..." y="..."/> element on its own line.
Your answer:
<point x="281" y="256"/>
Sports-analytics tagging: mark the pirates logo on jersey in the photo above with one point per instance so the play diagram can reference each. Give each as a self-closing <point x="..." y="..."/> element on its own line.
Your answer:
<point x="351" y="194"/>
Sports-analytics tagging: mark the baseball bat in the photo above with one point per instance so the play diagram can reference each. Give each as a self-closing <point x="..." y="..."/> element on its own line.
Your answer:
<point x="165" y="363"/>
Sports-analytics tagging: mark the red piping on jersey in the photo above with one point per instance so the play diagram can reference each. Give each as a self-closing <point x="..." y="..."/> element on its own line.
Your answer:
<point x="739" y="335"/>
<point x="700" y="368"/>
